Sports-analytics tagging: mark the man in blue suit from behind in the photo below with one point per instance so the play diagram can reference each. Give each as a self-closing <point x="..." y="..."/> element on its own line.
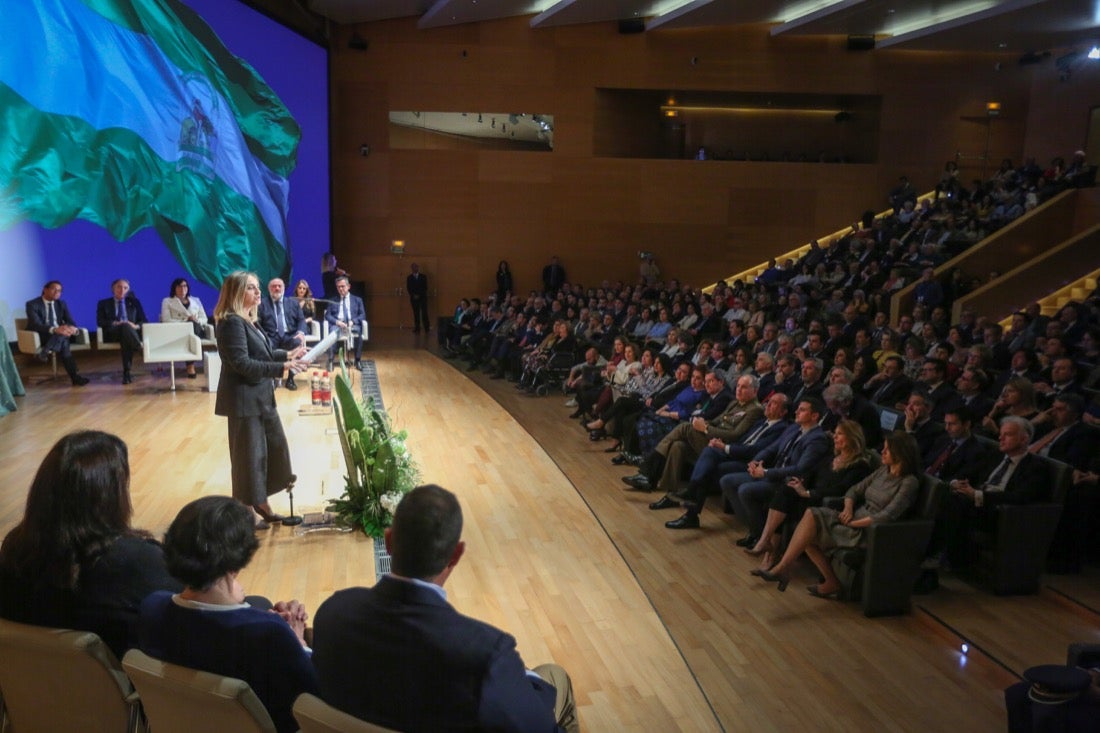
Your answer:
<point x="399" y="655"/>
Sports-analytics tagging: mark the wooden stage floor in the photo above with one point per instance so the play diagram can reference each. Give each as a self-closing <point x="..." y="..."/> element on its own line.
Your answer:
<point x="661" y="631"/>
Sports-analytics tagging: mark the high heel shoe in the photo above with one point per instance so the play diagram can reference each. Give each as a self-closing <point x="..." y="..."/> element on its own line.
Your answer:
<point x="574" y="415"/>
<point x="595" y="435"/>
<point x="613" y="449"/>
<point x="781" y="578"/>
<point x="755" y="551"/>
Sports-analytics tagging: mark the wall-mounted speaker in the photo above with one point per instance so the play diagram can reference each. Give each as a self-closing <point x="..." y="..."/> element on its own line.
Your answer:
<point x="631" y="25"/>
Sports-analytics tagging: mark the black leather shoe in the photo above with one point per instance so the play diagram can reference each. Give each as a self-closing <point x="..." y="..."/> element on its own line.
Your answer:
<point x="619" y="460"/>
<point x="43" y="355"/>
<point x="289" y="384"/>
<point x="358" y="365"/>
<point x="665" y="502"/>
<point x="127" y="378"/>
<point x="686" y="521"/>
<point x="637" y="482"/>
<point x="79" y="381"/>
<point x="746" y="541"/>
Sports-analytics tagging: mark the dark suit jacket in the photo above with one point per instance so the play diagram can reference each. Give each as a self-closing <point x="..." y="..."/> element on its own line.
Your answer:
<point x="292" y="316"/>
<point x="889" y="393"/>
<point x="740" y="451"/>
<point x="355" y="305"/>
<point x="1028" y="484"/>
<point x="36" y="316"/>
<point x="416" y="285"/>
<point x="105" y="315"/>
<point x="968" y="461"/>
<point x="927" y="436"/>
<point x="400" y="656"/>
<point x="248" y="366"/>
<point x="804" y="458"/>
<point x="1075" y="446"/>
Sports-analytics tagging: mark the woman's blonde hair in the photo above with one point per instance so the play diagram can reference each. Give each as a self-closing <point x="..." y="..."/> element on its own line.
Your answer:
<point x="857" y="443"/>
<point x="231" y="297"/>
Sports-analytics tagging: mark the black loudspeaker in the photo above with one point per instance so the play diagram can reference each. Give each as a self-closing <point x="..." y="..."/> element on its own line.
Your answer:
<point x="861" y="43"/>
<point x="631" y="25"/>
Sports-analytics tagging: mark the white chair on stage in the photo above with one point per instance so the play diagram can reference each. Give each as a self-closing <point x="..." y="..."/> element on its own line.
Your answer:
<point x="170" y="342"/>
<point x="31" y="341"/>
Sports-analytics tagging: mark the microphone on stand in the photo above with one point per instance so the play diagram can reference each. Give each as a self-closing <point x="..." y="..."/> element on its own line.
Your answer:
<point x="292" y="520"/>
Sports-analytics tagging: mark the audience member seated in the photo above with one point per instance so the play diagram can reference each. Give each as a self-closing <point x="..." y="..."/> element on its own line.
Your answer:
<point x="889" y="386"/>
<point x="1017" y="399"/>
<point x="655" y="421"/>
<point x="347" y="313"/>
<point x="49" y="317"/>
<point x="919" y="423"/>
<point x="281" y="319"/>
<point x="74" y="561"/>
<point x="843" y="404"/>
<point x="210" y="626"/>
<point x="647" y="393"/>
<point x="661" y="468"/>
<point x="1014" y="476"/>
<point x="399" y="655"/>
<point x="849" y="466"/>
<point x="120" y="317"/>
<point x="885" y="495"/>
<point x="304" y="295"/>
<point x="800" y="453"/>
<point x="181" y="306"/>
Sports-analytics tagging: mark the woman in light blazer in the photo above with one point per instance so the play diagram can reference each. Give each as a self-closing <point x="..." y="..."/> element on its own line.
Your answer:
<point x="181" y="306"/>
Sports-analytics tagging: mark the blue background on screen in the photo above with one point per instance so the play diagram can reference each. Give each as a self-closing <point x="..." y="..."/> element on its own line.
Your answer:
<point x="85" y="258"/>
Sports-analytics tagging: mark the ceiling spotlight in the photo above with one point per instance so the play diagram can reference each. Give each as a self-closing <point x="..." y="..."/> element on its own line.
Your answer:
<point x="1094" y="54"/>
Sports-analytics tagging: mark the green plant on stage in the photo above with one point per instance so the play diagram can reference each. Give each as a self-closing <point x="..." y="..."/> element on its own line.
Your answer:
<point x="380" y="467"/>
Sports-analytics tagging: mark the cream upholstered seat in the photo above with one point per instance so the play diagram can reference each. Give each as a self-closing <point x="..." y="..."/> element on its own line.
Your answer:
<point x="170" y="342"/>
<point x="59" y="680"/>
<point x="31" y="341"/>
<point x="315" y="715"/>
<point x="183" y="700"/>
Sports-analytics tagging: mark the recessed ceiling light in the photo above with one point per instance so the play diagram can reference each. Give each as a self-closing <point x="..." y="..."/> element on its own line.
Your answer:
<point x="1002" y="44"/>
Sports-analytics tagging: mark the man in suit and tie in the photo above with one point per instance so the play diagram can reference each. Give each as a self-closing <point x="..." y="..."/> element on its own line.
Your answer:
<point x="49" y="317"/>
<point x="416" y="284"/>
<point x="282" y="320"/>
<point x="720" y="457"/>
<point x="1014" y="477"/>
<point x="399" y="655"/>
<point x="889" y="386"/>
<point x="934" y="384"/>
<point x="958" y="454"/>
<point x="120" y="317"/>
<point x="799" y="452"/>
<point x="919" y="423"/>
<point x="683" y="444"/>
<point x="347" y="313"/>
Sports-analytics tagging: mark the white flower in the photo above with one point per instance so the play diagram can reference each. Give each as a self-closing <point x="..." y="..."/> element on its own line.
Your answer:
<point x="389" y="501"/>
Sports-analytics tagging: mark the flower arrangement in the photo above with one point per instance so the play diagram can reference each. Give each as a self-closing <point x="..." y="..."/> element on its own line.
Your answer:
<point x="380" y="468"/>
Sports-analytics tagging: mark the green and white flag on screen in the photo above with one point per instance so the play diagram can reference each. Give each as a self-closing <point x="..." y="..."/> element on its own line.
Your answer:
<point x="131" y="114"/>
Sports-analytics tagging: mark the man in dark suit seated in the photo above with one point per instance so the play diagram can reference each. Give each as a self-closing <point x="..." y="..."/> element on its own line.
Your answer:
<point x="889" y="386"/>
<point x="347" y="314"/>
<point x="720" y="457"/>
<point x="919" y="424"/>
<point x="399" y="655"/>
<point x="933" y="383"/>
<point x="797" y="453"/>
<point x="49" y="317"/>
<point x="682" y="445"/>
<point x="957" y="454"/>
<point x="1014" y="476"/>
<point x="282" y="320"/>
<point x="120" y="317"/>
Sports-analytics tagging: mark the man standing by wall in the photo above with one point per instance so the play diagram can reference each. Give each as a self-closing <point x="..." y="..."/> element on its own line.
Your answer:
<point x="417" y="286"/>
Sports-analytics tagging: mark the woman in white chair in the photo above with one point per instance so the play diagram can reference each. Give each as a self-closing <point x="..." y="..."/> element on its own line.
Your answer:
<point x="181" y="306"/>
<point x="210" y="625"/>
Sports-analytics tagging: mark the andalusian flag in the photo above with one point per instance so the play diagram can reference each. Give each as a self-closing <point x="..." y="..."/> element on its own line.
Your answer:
<point x="131" y="113"/>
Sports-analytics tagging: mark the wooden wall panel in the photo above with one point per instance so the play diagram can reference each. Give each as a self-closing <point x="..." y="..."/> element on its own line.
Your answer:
<point x="470" y="209"/>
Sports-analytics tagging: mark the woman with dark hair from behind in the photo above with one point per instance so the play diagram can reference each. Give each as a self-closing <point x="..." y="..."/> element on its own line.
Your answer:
<point x="74" y="561"/>
<point x="887" y="494"/>
<point x="209" y="625"/>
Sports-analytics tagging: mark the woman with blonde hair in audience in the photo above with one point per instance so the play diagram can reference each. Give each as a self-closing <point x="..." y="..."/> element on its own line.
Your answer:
<point x="182" y="307"/>
<point x="885" y="495"/>
<point x="1017" y="398"/>
<point x="849" y="466"/>
<point x="304" y="295"/>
